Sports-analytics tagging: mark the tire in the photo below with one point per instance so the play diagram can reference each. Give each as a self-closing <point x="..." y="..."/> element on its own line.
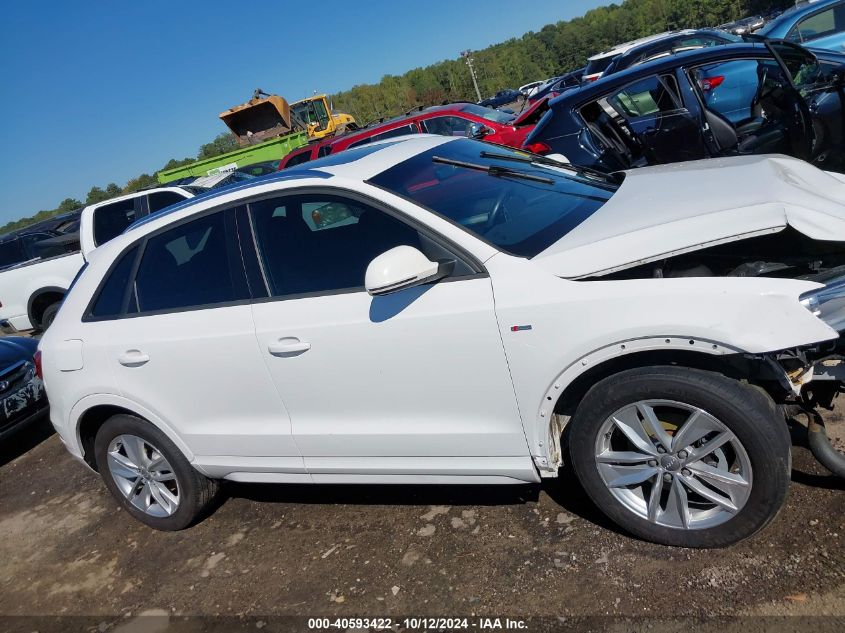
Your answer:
<point x="741" y="463"/>
<point x="140" y="490"/>
<point x="50" y="315"/>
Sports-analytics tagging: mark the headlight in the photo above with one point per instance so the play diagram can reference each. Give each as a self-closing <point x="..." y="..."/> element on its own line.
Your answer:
<point x="827" y="303"/>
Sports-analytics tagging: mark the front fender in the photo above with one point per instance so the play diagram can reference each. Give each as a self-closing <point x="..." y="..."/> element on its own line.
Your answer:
<point x="554" y="329"/>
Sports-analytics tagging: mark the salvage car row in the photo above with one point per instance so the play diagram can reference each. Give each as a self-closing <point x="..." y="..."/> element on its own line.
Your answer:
<point x="407" y="306"/>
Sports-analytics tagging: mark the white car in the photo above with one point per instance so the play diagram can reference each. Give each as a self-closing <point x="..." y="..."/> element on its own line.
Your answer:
<point x="435" y="310"/>
<point x="530" y="88"/>
<point x="598" y="63"/>
<point x="31" y="293"/>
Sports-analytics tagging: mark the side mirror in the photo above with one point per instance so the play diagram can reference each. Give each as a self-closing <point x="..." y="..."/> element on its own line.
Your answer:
<point x="399" y="268"/>
<point x="477" y="131"/>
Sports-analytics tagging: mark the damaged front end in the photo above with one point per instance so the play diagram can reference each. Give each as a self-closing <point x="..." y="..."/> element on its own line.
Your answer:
<point x="816" y="374"/>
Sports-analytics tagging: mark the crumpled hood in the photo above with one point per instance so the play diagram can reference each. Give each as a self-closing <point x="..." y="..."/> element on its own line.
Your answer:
<point x="672" y="209"/>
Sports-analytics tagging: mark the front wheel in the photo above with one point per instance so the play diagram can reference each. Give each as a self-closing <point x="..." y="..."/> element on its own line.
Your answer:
<point x="149" y="476"/>
<point x="680" y="456"/>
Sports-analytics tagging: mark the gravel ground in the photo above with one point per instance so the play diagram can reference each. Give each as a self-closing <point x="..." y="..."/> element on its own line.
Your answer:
<point x="303" y="550"/>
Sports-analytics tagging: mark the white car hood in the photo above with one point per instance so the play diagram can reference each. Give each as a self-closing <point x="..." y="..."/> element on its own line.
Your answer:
<point x="672" y="209"/>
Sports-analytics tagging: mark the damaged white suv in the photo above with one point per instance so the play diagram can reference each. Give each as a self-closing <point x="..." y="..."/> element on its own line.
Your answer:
<point x="436" y="310"/>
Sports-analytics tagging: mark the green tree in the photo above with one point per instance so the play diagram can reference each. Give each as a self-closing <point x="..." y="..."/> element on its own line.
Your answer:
<point x="554" y="49"/>
<point x="221" y="144"/>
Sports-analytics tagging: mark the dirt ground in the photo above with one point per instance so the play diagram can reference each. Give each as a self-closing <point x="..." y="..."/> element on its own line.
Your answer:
<point x="66" y="549"/>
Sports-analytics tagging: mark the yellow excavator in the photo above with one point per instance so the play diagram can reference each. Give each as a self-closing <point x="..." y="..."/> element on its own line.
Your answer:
<point x="267" y="116"/>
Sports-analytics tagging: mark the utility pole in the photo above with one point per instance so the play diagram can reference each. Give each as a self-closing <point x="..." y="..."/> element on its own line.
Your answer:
<point x="467" y="55"/>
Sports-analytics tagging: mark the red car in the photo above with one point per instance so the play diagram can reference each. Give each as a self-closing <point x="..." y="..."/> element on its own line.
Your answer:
<point x="457" y="119"/>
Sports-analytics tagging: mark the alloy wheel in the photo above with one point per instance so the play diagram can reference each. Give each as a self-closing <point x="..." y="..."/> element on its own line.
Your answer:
<point x="143" y="475"/>
<point x="673" y="464"/>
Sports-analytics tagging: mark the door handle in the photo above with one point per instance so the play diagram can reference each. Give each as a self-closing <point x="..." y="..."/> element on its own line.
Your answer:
<point x="133" y="358"/>
<point x="288" y="346"/>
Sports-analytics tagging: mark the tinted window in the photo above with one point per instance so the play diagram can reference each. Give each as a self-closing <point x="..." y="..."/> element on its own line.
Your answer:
<point x="110" y="220"/>
<point x="12" y="252"/>
<point x="519" y="216"/>
<point x="109" y="302"/>
<point x="447" y="126"/>
<point x="324" y="243"/>
<point x="190" y="265"/>
<point x="399" y="131"/>
<point x="598" y="65"/>
<point x="646" y="97"/>
<point x="820" y="24"/>
<point x="298" y="159"/>
<point x="161" y="199"/>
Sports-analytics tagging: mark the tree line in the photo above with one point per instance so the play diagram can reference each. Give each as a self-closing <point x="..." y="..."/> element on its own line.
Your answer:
<point x="553" y="50"/>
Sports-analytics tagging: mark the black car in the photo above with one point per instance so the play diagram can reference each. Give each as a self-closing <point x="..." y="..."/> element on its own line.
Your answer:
<point x="22" y="396"/>
<point x="503" y="97"/>
<point x="558" y="85"/>
<point x="669" y="45"/>
<point x="746" y="98"/>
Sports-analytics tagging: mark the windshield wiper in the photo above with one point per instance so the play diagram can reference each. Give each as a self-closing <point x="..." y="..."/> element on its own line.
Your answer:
<point x="542" y="160"/>
<point x="493" y="170"/>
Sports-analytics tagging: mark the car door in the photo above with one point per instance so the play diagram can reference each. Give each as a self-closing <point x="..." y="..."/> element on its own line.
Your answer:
<point x="650" y="122"/>
<point x="174" y="319"/>
<point x="411" y="382"/>
<point x="758" y="99"/>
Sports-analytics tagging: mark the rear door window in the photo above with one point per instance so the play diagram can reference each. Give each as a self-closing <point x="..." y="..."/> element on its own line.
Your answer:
<point x="196" y="264"/>
<point x="819" y="24"/>
<point x="646" y="97"/>
<point x="110" y="220"/>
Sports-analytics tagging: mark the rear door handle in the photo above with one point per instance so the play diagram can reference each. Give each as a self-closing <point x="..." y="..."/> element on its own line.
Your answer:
<point x="288" y="346"/>
<point x="133" y="358"/>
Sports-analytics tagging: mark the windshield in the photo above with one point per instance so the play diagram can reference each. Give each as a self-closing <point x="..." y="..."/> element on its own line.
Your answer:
<point x="520" y="207"/>
<point x="491" y="115"/>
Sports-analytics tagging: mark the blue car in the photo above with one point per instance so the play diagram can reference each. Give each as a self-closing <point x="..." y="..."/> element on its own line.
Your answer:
<point x="816" y="24"/>
<point x="22" y="396"/>
<point x="746" y="98"/>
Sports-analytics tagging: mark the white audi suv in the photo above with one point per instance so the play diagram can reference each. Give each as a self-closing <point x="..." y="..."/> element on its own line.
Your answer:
<point x="437" y="310"/>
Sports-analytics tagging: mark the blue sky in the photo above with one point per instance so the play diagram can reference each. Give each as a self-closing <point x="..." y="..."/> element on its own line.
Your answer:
<point x="98" y="92"/>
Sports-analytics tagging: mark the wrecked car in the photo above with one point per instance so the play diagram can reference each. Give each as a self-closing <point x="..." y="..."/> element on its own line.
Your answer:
<point x="734" y="99"/>
<point x="431" y="310"/>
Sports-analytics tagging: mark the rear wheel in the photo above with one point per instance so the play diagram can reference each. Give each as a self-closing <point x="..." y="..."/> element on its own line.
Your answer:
<point x="50" y="315"/>
<point x="149" y="476"/>
<point x="680" y="456"/>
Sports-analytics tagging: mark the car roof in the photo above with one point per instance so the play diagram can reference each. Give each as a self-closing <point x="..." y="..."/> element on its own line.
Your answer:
<point x="660" y="43"/>
<point x="663" y="64"/>
<point x="360" y="163"/>
<point x="399" y="121"/>
<point x="626" y="46"/>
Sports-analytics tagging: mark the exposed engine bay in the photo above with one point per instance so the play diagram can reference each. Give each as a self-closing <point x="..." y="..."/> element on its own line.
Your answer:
<point x="807" y="378"/>
<point x="786" y="254"/>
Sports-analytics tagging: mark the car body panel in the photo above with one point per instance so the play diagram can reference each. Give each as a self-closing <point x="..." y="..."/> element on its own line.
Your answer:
<point x="694" y="204"/>
<point x="576" y="325"/>
<point x="485" y="351"/>
<point x="22" y="396"/>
